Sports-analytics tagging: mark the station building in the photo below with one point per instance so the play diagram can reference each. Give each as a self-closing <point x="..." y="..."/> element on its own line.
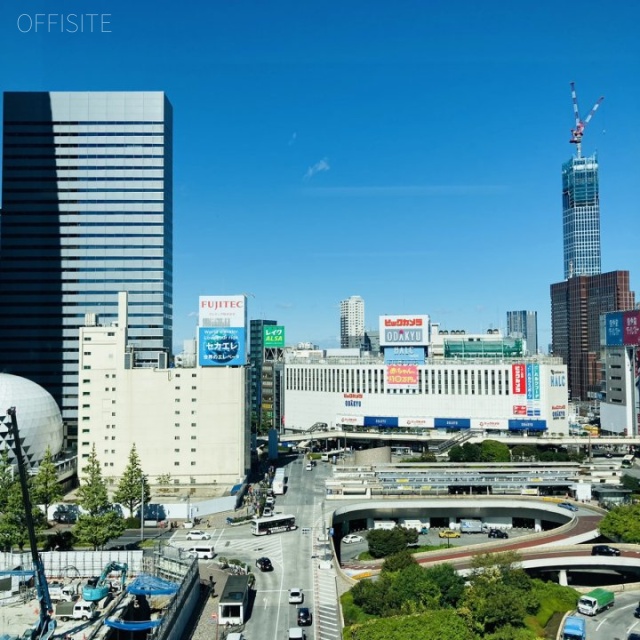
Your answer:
<point x="427" y="379"/>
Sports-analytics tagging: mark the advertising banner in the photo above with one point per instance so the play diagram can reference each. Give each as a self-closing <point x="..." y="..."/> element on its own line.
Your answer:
<point x="404" y="355"/>
<point x="518" y="379"/>
<point x="356" y="421"/>
<point x="631" y="328"/>
<point x="529" y="378"/>
<point x="273" y="337"/>
<point x="490" y="424"/>
<point x="425" y="423"/>
<point x="380" y="421"/>
<point x="404" y="331"/>
<point x="402" y="376"/>
<point x="519" y="409"/>
<point x="613" y="329"/>
<point x="452" y="423"/>
<point x="536" y="381"/>
<point x="222" y="311"/>
<point x="220" y="346"/>
<point x="527" y="425"/>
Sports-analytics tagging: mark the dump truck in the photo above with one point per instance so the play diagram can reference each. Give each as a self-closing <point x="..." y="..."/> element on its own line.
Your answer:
<point x="596" y="601"/>
<point x="67" y="592"/>
<point x="574" y="628"/>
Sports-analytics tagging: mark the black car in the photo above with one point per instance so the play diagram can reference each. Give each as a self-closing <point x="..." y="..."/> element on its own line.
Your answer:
<point x="636" y="613"/>
<point x="65" y="517"/>
<point x="264" y="564"/>
<point x="604" y="550"/>
<point x="304" y="617"/>
<point x="498" y="533"/>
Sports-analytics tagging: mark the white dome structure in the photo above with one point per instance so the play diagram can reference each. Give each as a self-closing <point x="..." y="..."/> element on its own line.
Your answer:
<point x="38" y="417"/>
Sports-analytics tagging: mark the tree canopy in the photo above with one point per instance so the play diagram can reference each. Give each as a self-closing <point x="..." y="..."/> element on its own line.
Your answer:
<point x="622" y="524"/>
<point x="46" y="488"/>
<point x="133" y="485"/>
<point x="386" y="542"/>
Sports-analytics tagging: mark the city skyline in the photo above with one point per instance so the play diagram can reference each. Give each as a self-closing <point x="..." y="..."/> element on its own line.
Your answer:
<point x="411" y="156"/>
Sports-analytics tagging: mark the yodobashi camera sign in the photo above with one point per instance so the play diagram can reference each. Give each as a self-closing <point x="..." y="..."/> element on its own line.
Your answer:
<point x="403" y="331"/>
<point x="223" y="311"/>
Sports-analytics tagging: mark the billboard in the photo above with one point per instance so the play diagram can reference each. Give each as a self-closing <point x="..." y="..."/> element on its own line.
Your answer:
<point x="401" y="376"/>
<point x="273" y="337"/>
<point x="527" y="425"/>
<point x="452" y="423"/>
<point x="631" y="328"/>
<point x="425" y="423"/>
<point x="613" y="329"/>
<point x="621" y="328"/>
<point x="404" y="355"/>
<point x="404" y="331"/>
<point x="222" y="346"/>
<point x="518" y="380"/>
<point x="380" y="421"/>
<point x="222" y="311"/>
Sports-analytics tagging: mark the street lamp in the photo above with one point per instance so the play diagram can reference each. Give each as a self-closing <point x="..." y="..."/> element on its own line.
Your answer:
<point x="142" y="480"/>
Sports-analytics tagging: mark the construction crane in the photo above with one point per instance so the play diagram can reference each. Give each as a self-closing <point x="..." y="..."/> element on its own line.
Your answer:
<point x="45" y="626"/>
<point x="92" y="592"/>
<point x="578" y="132"/>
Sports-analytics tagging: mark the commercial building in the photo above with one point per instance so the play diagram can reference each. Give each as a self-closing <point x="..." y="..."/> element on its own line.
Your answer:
<point x="524" y="324"/>
<point x="620" y="405"/>
<point x="352" y="323"/>
<point x="87" y="212"/>
<point x="190" y="425"/>
<point x="425" y="381"/>
<point x="581" y="217"/>
<point x="576" y="306"/>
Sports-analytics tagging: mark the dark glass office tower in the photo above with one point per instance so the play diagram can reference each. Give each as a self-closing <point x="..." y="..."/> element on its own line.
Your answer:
<point x="87" y="211"/>
<point x="581" y="217"/>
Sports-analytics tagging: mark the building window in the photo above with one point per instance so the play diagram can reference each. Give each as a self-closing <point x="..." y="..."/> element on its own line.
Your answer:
<point x="176" y="437"/>
<point x="87" y="338"/>
<point x="176" y="450"/>
<point x="193" y="450"/>
<point x="192" y="437"/>
<point x="176" y="464"/>
<point x="193" y="464"/>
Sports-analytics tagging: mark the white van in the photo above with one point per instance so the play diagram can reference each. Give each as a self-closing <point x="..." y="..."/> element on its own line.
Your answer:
<point x="203" y="551"/>
<point x="296" y="633"/>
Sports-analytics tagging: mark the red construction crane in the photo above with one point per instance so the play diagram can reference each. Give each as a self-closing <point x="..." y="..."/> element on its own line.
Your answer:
<point x="578" y="132"/>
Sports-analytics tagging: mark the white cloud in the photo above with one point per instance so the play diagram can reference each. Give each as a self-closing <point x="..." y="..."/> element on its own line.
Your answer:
<point x="321" y="165"/>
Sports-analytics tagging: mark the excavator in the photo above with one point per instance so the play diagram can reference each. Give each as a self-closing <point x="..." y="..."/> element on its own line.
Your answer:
<point x="45" y="625"/>
<point x="95" y="590"/>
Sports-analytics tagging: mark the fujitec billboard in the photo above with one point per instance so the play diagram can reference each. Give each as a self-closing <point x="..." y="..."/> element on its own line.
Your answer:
<point x="222" y="311"/>
<point x="404" y="331"/>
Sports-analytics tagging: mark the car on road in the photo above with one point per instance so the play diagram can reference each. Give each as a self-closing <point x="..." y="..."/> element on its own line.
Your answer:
<point x="296" y="596"/>
<point x="604" y="550"/>
<point x="498" y="533"/>
<point x="351" y="538"/>
<point x="197" y="534"/>
<point x="270" y="501"/>
<point x="264" y="564"/>
<point x="304" y="617"/>
<point x="636" y="613"/>
<point x="448" y="533"/>
<point x="568" y="505"/>
<point x="309" y="466"/>
<point x="633" y="636"/>
<point x="267" y="512"/>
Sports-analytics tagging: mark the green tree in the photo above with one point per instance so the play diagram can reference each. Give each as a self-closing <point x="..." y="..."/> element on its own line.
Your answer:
<point x="524" y="453"/>
<point x="13" y="521"/>
<point x="622" y="524"/>
<point x="449" y="582"/>
<point x="133" y="485"/>
<point x="411" y="591"/>
<point x="46" y="488"/>
<point x="6" y="478"/>
<point x="101" y="523"/>
<point x="494" y="451"/>
<point x="630" y="482"/>
<point x="385" y="542"/>
<point x="398" y="561"/>
<point x="370" y="596"/>
<point x="468" y="452"/>
<point x="443" y="624"/>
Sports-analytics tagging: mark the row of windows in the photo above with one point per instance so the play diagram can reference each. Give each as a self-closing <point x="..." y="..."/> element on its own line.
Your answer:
<point x="430" y="381"/>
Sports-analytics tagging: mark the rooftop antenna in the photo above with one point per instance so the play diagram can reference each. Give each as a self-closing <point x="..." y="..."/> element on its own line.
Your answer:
<point x="578" y="132"/>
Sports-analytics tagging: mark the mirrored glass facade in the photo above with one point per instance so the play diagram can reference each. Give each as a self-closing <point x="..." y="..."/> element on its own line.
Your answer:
<point x="87" y="211"/>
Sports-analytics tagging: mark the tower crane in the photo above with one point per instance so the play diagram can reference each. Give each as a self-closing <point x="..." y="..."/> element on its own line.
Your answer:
<point x="578" y="132"/>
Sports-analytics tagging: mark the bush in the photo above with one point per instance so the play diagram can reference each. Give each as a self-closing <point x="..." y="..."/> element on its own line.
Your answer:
<point x="132" y="523"/>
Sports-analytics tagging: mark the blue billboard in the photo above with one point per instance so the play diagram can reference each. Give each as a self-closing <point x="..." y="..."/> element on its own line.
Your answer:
<point x="404" y="355"/>
<point x="527" y="425"/>
<point x="452" y="423"/>
<point x="222" y="346"/>
<point x="613" y="329"/>
<point x="380" y="421"/>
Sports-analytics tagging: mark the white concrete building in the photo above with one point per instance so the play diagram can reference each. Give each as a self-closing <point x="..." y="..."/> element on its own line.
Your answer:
<point x="191" y="423"/>
<point x="488" y="394"/>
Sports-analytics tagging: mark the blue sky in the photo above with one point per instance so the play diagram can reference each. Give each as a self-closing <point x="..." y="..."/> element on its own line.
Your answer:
<point x="407" y="152"/>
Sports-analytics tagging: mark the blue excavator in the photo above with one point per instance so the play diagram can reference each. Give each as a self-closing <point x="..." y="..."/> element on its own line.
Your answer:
<point x="95" y="590"/>
<point x="45" y="625"/>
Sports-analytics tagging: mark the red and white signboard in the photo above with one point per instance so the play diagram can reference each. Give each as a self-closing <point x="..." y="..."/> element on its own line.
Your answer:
<point x="402" y="376"/>
<point x="518" y="379"/>
<point x="222" y="311"/>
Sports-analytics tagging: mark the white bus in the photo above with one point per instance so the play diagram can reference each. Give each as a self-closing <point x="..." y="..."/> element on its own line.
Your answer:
<point x="278" y="484"/>
<point x="627" y="461"/>
<point x="273" y="524"/>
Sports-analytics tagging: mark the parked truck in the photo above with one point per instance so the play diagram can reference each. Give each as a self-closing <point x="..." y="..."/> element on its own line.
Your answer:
<point x="76" y="610"/>
<point x="596" y="601"/>
<point x="471" y="526"/>
<point x="574" y="628"/>
<point x="60" y="591"/>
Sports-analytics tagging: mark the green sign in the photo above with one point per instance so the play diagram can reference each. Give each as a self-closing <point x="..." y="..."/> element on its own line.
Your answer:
<point x="274" y="337"/>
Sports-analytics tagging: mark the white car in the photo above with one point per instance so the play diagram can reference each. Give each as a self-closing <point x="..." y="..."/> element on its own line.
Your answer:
<point x="267" y="512"/>
<point x="270" y="501"/>
<point x="351" y="538"/>
<point x="309" y="466"/>
<point x="197" y="534"/>
<point x="296" y="596"/>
